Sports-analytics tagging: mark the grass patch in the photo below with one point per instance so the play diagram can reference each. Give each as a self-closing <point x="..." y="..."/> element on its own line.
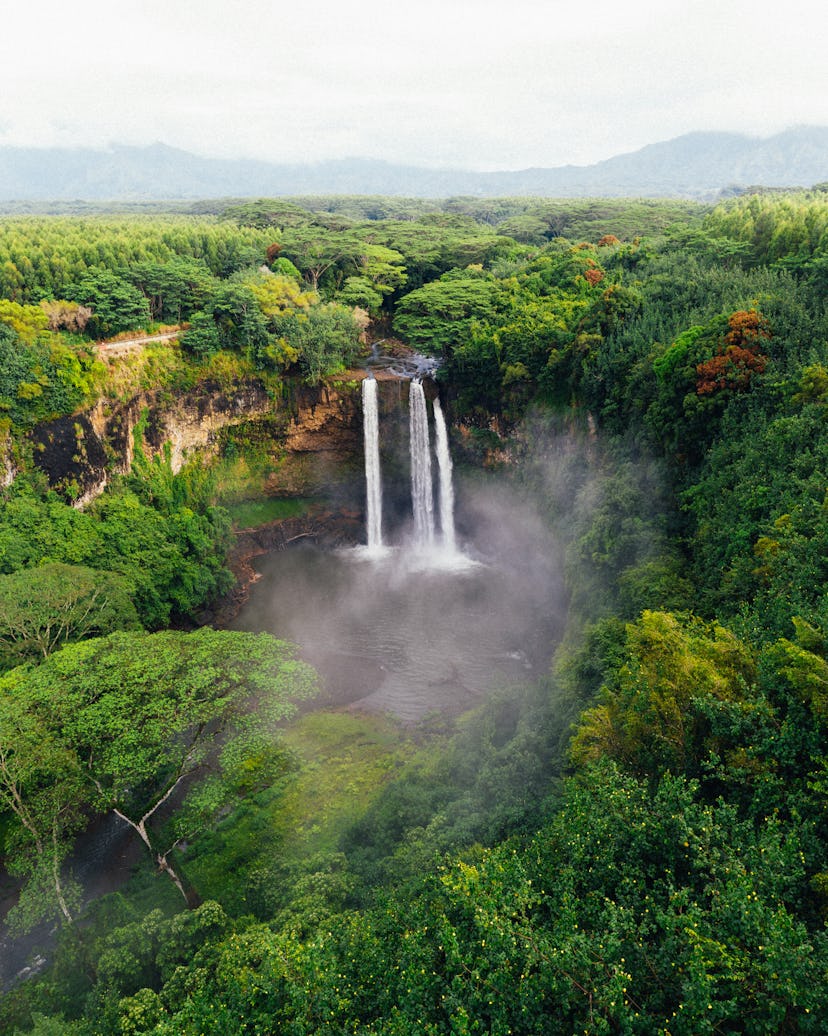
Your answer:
<point x="345" y="760"/>
<point x="341" y="763"/>
<point x="165" y="366"/>
<point x="248" y="514"/>
<point x="157" y="366"/>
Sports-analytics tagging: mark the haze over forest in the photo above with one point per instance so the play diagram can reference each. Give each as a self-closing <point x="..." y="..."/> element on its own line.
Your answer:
<point x="696" y="165"/>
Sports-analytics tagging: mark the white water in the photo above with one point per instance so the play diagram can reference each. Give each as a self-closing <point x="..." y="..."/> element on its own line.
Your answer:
<point x="422" y="497"/>
<point x="372" y="464"/>
<point x="446" y="485"/>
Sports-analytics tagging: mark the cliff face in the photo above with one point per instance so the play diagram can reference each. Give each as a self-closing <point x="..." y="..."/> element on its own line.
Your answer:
<point x="315" y="433"/>
<point x="79" y="453"/>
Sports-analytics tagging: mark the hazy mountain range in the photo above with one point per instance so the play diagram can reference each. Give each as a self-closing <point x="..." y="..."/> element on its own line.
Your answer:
<point x="699" y="165"/>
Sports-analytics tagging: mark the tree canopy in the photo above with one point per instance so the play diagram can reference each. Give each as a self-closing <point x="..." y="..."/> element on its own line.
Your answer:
<point x="43" y="608"/>
<point x="120" y="723"/>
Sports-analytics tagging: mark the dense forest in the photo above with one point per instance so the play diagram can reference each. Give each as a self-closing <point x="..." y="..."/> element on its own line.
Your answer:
<point x="637" y="842"/>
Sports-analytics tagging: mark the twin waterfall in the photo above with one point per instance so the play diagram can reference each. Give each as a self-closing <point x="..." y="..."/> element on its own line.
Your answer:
<point x="422" y="492"/>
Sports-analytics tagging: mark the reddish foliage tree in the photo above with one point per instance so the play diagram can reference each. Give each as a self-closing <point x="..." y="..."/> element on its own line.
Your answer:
<point x="608" y="240"/>
<point x="748" y="328"/>
<point x="738" y="358"/>
<point x="594" y="275"/>
<point x="731" y="369"/>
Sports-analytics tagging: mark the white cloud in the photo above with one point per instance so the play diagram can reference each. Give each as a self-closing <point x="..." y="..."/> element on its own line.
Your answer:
<point x="479" y="83"/>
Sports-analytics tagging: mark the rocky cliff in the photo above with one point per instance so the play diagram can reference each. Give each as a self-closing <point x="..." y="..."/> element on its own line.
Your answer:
<point x="313" y="432"/>
<point x="79" y="453"/>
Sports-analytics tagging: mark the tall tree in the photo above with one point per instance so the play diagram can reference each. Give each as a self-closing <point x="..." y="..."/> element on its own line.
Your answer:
<point x="43" y="608"/>
<point x="42" y="790"/>
<point x="316" y="252"/>
<point x="116" y="305"/>
<point x="129" y="720"/>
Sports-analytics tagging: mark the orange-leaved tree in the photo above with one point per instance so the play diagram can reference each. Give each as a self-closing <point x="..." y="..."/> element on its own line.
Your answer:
<point x="739" y="357"/>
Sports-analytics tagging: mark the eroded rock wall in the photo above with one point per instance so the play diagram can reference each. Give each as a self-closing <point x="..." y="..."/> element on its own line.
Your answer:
<point x="316" y="435"/>
<point x="78" y="454"/>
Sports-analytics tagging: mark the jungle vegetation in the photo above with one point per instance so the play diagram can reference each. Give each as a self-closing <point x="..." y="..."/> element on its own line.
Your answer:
<point x="636" y="844"/>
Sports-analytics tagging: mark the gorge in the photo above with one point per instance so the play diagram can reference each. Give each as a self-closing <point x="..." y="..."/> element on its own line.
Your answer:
<point x="407" y="624"/>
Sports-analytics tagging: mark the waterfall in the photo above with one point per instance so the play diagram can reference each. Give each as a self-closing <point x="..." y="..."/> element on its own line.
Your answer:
<point x="421" y="489"/>
<point x="373" y="505"/>
<point x="422" y="492"/>
<point x="446" y="486"/>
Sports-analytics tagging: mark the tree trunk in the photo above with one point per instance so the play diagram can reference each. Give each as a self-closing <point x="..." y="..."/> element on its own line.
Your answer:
<point x="190" y="898"/>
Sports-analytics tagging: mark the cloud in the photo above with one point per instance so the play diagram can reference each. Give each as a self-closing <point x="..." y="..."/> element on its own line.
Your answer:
<point x="479" y="84"/>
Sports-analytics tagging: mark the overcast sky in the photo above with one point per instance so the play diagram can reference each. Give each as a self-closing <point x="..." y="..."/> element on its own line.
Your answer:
<point x="483" y="84"/>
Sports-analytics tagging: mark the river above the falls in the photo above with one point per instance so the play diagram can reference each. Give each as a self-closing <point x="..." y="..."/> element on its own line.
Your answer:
<point x="413" y="631"/>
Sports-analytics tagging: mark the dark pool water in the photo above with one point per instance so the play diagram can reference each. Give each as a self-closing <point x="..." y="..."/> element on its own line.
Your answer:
<point x="413" y="632"/>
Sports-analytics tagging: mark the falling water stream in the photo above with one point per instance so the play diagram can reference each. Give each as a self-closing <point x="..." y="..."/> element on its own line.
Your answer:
<point x="422" y="493"/>
<point x="446" y="482"/>
<point x="373" y="490"/>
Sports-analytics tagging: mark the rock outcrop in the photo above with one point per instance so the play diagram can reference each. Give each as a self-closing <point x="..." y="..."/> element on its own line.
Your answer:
<point x="314" y="434"/>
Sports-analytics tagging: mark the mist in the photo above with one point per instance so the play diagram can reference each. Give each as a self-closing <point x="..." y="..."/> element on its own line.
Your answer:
<point x="412" y="632"/>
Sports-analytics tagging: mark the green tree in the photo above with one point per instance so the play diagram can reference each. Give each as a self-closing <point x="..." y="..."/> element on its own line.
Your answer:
<point x="116" y="305"/>
<point x="29" y="323"/>
<point x="41" y="789"/>
<point x="131" y="718"/>
<point x="325" y="337"/>
<point x="649" y="718"/>
<point x="279" y="294"/>
<point x="380" y="272"/>
<point x="173" y="558"/>
<point x="174" y="289"/>
<point x="238" y="317"/>
<point x="43" y="608"/>
<point x="44" y="379"/>
<point x="438" y="317"/>
<point x="202" y="336"/>
<point x="317" y="252"/>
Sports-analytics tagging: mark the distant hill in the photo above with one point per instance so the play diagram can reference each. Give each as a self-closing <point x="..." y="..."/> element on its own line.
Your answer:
<point x="696" y="165"/>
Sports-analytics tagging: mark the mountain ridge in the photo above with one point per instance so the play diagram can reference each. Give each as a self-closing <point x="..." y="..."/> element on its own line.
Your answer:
<point x="696" y="165"/>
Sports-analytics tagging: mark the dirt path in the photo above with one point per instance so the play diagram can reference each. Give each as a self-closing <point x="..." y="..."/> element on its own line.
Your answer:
<point x="131" y="345"/>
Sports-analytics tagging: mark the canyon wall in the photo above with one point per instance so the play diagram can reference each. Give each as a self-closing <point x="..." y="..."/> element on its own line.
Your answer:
<point x="314" y="432"/>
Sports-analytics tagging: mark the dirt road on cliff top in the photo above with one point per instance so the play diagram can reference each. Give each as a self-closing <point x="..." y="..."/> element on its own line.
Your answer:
<point x="128" y="345"/>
